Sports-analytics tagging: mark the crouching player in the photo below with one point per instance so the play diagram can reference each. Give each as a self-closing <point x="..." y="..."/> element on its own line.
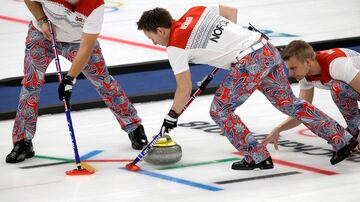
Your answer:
<point x="336" y="70"/>
<point x="209" y="35"/>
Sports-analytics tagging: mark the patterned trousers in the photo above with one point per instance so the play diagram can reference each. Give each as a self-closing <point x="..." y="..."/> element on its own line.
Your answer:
<point x="264" y="70"/>
<point x="346" y="99"/>
<point x="38" y="55"/>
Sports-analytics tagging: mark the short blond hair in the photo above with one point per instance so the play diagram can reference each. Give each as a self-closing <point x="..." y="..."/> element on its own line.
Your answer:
<point x="298" y="48"/>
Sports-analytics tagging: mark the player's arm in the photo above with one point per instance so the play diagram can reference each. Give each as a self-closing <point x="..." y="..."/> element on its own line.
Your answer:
<point x="229" y="13"/>
<point x="91" y="31"/>
<point x="37" y="11"/>
<point x="35" y="8"/>
<point x="87" y="43"/>
<point x="290" y="122"/>
<point x="355" y="83"/>
<point x="179" y="61"/>
<point x="183" y="91"/>
<point x="182" y="94"/>
<point x="346" y="69"/>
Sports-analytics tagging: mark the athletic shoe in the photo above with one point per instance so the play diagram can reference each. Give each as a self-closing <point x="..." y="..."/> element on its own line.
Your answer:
<point x="138" y="138"/>
<point x="344" y="152"/>
<point x="244" y="165"/>
<point x="22" y="150"/>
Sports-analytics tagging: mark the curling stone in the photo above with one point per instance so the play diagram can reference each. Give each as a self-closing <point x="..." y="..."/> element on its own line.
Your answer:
<point x="165" y="151"/>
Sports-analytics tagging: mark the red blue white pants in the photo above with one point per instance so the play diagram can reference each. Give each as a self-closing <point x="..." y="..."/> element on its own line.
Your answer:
<point x="264" y="70"/>
<point x="346" y="99"/>
<point x="38" y="55"/>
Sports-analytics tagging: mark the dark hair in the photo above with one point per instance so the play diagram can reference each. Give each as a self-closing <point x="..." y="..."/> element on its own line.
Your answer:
<point x="152" y="19"/>
<point x="298" y="48"/>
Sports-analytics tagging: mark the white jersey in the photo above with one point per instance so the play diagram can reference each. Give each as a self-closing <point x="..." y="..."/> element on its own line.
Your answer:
<point x="336" y="64"/>
<point x="202" y="36"/>
<point x="70" y="22"/>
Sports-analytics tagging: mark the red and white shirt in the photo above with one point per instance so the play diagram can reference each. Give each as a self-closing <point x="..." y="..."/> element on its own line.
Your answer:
<point x="336" y="64"/>
<point x="202" y="36"/>
<point x="70" y="22"/>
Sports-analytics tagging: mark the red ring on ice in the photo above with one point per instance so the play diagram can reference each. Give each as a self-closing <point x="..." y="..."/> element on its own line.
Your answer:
<point x="303" y="133"/>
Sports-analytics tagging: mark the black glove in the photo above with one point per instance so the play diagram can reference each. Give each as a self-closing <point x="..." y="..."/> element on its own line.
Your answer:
<point x="170" y="122"/>
<point x="65" y="89"/>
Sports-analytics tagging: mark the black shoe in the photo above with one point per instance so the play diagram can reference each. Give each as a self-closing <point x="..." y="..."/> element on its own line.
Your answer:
<point x="22" y="150"/>
<point x="344" y="152"/>
<point x="138" y="138"/>
<point x="243" y="165"/>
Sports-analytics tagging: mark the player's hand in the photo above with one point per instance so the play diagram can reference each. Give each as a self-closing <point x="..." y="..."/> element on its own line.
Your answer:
<point x="273" y="138"/>
<point x="45" y="29"/>
<point x="65" y="89"/>
<point x="170" y="122"/>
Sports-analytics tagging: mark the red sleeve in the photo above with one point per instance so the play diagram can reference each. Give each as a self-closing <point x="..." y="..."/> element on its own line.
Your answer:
<point x="181" y="29"/>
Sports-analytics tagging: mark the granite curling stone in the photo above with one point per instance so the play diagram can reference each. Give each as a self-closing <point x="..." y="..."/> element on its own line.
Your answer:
<point x="165" y="151"/>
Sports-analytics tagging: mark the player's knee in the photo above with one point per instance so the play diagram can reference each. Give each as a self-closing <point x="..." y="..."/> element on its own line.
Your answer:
<point x="300" y="106"/>
<point x="106" y="83"/>
<point x="32" y="84"/>
<point x="338" y="89"/>
<point x="295" y="107"/>
<point x="218" y="114"/>
<point x="214" y="111"/>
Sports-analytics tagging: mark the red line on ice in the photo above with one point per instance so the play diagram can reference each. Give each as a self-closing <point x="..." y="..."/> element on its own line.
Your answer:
<point x="107" y="38"/>
<point x="108" y="160"/>
<point x="132" y="43"/>
<point x="14" y="19"/>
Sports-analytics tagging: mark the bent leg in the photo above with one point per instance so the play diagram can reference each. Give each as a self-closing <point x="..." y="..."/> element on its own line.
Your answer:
<point x="107" y="87"/>
<point x="236" y="88"/>
<point x="278" y="91"/>
<point x="346" y="99"/>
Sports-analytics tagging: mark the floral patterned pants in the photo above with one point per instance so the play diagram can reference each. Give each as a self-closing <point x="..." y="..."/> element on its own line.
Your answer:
<point x="38" y="55"/>
<point x="263" y="69"/>
<point x="346" y="99"/>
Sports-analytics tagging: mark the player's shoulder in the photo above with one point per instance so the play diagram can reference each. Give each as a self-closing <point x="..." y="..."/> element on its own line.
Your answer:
<point x="181" y="29"/>
<point x="84" y="7"/>
<point x="332" y="53"/>
<point x="87" y="7"/>
<point x="350" y="52"/>
<point x="92" y="3"/>
<point x="178" y="38"/>
<point x="326" y="57"/>
<point x="195" y="10"/>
